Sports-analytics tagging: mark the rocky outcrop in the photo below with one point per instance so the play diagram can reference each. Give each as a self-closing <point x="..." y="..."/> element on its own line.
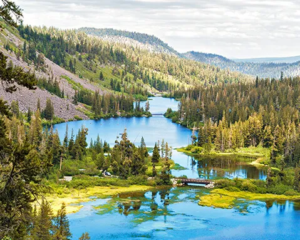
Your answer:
<point x="63" y="108"/>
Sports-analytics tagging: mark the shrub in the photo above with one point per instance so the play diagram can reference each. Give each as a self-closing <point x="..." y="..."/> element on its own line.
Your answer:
<point x="248" y="186"/>
<point x="183" y="177"/>
<point x="77" y="118"/>
<point x="197" y="150"/>
<point x="291" y="193"/>
<point x="279" y="189"/>
<point x="232" y="189"/>
<point x="189" y="147"/>
<point x="138" y="180"/>
<point x="223" y="183"/>
<point x="261" y="190"/>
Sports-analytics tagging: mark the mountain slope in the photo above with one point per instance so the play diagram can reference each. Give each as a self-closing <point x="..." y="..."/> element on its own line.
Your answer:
<point x="262" y="70"/>
<point x="142" y="40"/>
<point x="27" y="99"/>
<point x="88" y="77"/>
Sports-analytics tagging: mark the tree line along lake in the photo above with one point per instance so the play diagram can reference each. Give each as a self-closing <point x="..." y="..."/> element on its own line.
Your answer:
<point x="174" y="212"/>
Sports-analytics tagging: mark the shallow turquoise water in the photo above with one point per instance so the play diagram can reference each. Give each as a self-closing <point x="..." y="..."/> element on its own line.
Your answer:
<point x="149" y="216"/>
<point x="183" y="218"/>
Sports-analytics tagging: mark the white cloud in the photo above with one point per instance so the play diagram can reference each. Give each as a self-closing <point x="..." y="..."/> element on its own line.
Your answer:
<point x="234" y="28"/>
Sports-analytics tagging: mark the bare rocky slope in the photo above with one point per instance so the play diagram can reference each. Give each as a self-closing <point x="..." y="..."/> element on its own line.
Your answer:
<point x="64" y="108"/>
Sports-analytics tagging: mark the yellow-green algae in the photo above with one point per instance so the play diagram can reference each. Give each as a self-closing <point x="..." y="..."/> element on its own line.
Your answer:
<point x="73" y="197"/>
<point x="220" y="198"/>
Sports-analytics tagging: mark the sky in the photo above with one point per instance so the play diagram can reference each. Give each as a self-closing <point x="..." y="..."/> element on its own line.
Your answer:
<point x="232" y="28"/>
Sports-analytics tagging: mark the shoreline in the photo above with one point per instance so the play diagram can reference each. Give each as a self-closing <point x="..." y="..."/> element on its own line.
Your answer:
<point x="74" y="197"/>
<point x="259" y="153"/>
<point x="221" y="198"/>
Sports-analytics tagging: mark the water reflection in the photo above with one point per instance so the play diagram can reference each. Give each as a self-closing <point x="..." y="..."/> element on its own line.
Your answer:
<point x="174" y="213"/>
<point x="211" y="167"/>
<point x="216" y="167"/>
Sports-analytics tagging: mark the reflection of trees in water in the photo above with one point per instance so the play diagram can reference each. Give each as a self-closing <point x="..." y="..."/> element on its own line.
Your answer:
<point x="231" y="166"/>
<point x="153" y="205"/>
<point x="281" y="206"/>
<point x="193" y="164"/>
<point x="129" y="202"/>
<point x="127" y="206"/>
<point x="165" y="199"/>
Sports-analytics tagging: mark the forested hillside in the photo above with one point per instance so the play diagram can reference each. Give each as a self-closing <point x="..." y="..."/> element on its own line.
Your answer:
<point x="146" y="41"/>
<point x="246" y="114"/>
<point x="262" y="70"/>
<point x="72" y="67"/>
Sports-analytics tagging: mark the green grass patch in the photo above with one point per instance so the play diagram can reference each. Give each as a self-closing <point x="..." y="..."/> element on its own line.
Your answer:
<point x="221" y="198"/>
<point x="75" y="85"/>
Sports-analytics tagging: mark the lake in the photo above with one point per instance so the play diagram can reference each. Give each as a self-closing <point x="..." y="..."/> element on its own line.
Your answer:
<point x="174" y="213"/>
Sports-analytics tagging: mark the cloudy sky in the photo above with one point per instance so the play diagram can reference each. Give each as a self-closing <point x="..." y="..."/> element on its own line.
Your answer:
<point x="233" y="28"/>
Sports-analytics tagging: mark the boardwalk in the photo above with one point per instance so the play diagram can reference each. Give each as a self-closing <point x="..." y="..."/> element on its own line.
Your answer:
<point x="157" y="114"/>
<point x="195" y="181"/>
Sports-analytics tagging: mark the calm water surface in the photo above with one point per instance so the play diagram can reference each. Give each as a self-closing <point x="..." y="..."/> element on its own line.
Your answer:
<point x="174" y="213"/>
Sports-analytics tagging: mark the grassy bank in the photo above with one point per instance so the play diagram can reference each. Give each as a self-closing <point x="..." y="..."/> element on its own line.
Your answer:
<point x="260" y="154"/>
<point x="74" y="197"/>
<point x="221" y="198"/>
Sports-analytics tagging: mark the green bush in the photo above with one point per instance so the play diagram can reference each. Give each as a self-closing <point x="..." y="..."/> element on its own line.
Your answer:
<point x="261" y="190"/>
<point x="81" y="182"/>
<point x="232" y="189"/>
<point x="77" y="118"/>
<point x="291" y="193"/>
<point x="189" y="147"/>
<point x="183" y="177"/>
<point x="69" y="170"/>
<point x="248" y="186"/>
<point x="138" y="180"/>
<point x="223" y="183"/>
<point x="279" y="189"/>
<point x="197" y="150"/>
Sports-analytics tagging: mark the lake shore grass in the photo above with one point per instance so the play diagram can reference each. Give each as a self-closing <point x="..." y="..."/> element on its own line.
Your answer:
<point x="74" y="197"/>
<point x="261" y="155"/>
<point x="221" y="198"/>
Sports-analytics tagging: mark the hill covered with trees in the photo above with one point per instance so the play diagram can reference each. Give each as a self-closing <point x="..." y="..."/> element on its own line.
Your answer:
<point x="72" y="66"/>
<point x="148" y="41"/>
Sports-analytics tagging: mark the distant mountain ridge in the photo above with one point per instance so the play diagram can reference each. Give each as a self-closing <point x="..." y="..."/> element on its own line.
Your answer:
<point x="270" y="60"/>
<point x="209" y="58"/>
<point x="149" y="42"/>
<point x="261" y="67"/>
<point x="262" y="70"/>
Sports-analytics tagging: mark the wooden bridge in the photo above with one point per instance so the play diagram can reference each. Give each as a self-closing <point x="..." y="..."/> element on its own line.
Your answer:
<point x="157" y="114"/>
<point x="194" y="181"/>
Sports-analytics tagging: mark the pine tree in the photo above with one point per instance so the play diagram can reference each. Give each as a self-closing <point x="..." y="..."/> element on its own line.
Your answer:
<point x="155" y="159"/>
<point x="38" y="105"/>
<point x="66" y="139"/>
<point x="297" y="179"/>
<point x="44" y="222"/>
<point x="166" y="171"/>
<point x="101" y="77"/>
<point x="100" y="160"/>
<point x="61" y="230"/>
<point x="29" y="113"/>
<point x="147" y="107"/>
<point x="48" y="112"/>
<point x="85" y="236"/>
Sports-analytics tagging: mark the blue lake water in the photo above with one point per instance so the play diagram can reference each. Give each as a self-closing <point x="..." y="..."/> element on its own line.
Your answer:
<point x="147" y="215"/>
